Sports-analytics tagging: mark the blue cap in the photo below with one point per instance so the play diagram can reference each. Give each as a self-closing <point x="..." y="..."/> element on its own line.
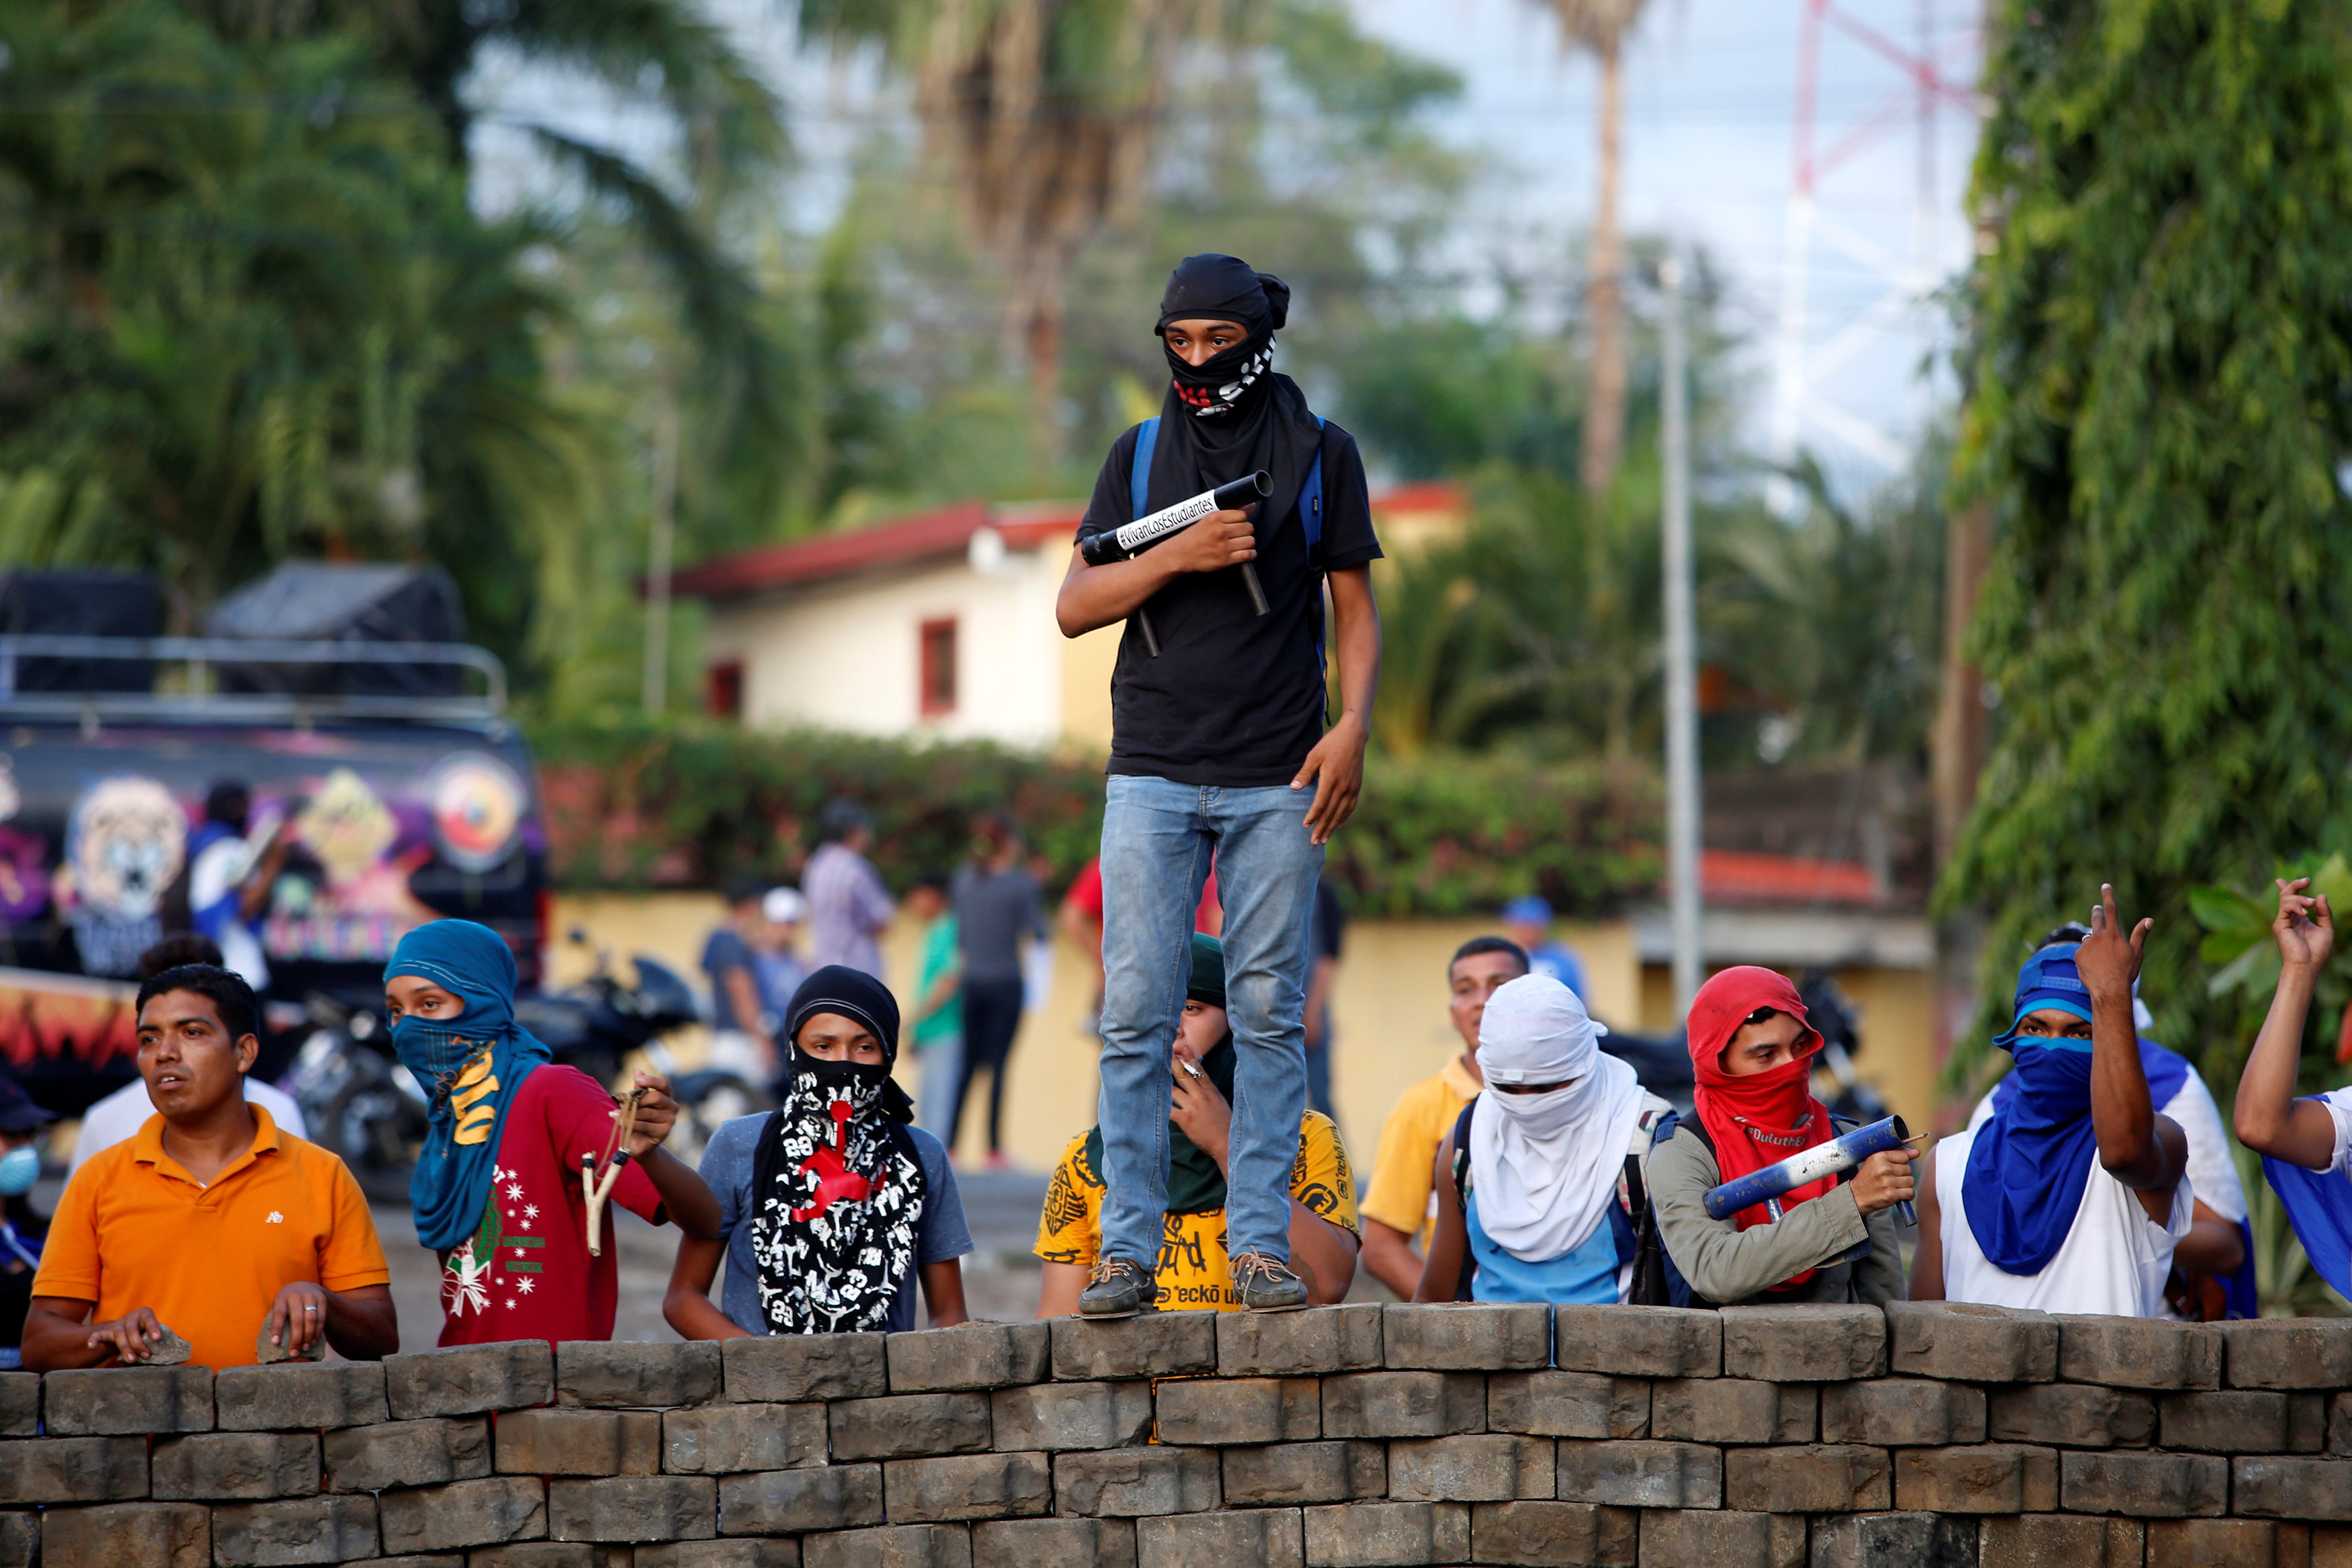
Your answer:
<point x="1528" y="910"/>
<point x="2049" y="979"/>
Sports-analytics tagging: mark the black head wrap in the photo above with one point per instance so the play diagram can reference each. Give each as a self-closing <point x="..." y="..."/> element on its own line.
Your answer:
<point x="1195" y="1184"/>
<point x="837" y="1189"/>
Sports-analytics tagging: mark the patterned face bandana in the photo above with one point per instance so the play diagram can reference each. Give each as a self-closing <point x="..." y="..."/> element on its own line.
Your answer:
<point x="837" y="1189"/>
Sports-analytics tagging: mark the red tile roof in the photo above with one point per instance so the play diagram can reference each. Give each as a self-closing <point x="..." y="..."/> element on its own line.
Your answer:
<point x="1734" y="877"/>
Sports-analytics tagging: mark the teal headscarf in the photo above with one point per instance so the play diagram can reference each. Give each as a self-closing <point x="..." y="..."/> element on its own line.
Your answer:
<point x="470" y="1067"/>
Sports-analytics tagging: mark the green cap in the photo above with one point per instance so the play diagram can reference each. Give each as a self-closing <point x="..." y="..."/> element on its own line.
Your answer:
<point x="1208" y="981"/>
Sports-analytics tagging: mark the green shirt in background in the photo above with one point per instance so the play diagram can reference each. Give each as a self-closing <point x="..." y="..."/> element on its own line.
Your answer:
<point x="939" y="953"/>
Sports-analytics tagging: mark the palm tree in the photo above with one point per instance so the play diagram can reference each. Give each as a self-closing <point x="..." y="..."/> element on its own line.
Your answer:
<point x="1602" y="25"/>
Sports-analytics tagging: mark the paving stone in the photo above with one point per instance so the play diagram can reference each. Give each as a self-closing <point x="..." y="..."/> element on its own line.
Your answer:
<point x="122" y="1401"/>
<point x="1568" y="1405"/>
<point x="1902" y="1412"/>
<point x="2331" y="1547"/>
<point x="1966" y="1343"/>
<point x="1052" y="1544"/>
<point x="1218" y="1410"/>
<point x="1481" y="1466"/>
<point x="1464" y="1337"/>
<point x="1360" y="1534"/>
<point x="1894" y="1540"/>
<point x="558" y="1442"/>
<point x="468" y="1380"/>
<point x="908" y="1425"/>
<point x="20" y="1404"/>
<point x="785" y="1369"/>
<point x="2060" y="1540"/>
<point x="1403" y="1403"/>
<point x="1270" y="1537"/>
<point x="1811" y="1342"/>
<point x="300" y="1396"/>
<point x="970" y="1355"/>
<point x="1305" y="1343"/>
<point x="150" y="1535"/>
<point x="547" y="1555"/>
<point x="2287" y="1352"/>
<point x="2071" y="1415"/>
<point x="1292" y="1473"/>
<point x="723" y="1439"/>
<point x="1707" y="1538"/>
<point x="634" y="1507"/>
<point x="2274" y="1486"/>
<point x="739" y="1552"/>
<point x="2137" y="1353"/>
<point x="235" y="1466"/>
<point x="421" y="1559"/>
<point x="893" y="1546"/>
<point x="2230" y="1421"/>
<point x="1733" y="1410"/>
<point x="72" y="1470"/>
<point x="1981" y="1477"/>
<point x="1151" y="1344"/>
<point x="786" y="1502"/>
<point x="406" y="1454"/>
<point x="1638" y="1342"/>
<point x="20" y="1533"/>
<point x="2307" y="1423"/>
<point x="1807" y="1478"/>
<point x="623" y="1375"/>
<point x="2145" y="1486"/>
<point x="306" y="1530"/>
<point x="1573" y="1534"/>
<point x="465" y="1514"/>
<point x="2212" y="1543"/>
<point x="1641" y="1474"/>
<point x="971" y="1486"/>
<point x="1051" y="1415"/>
<point x="1132" y="1483"/>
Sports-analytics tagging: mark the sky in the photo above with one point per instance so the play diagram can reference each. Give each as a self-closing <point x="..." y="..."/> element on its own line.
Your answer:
<point x="1709" y="136"/>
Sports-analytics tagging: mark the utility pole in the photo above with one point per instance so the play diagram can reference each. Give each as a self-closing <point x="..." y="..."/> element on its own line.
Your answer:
<point x="665" y="531"/>
<point x="1682" y="638"/>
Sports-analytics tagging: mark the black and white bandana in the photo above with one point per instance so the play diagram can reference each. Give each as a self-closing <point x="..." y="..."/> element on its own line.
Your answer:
<point x="1235" y="413"/>
<point x="837" y="1189"/>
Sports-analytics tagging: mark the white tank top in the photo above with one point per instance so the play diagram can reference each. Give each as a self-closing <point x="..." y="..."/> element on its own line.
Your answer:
<point x="2114" y="1262"/>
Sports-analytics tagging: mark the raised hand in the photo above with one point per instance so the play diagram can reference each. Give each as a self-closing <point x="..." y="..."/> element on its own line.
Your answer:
<point x="656" y="1114"/>
<point x="2108" y="961"/>
<point x="2306" y="929"/>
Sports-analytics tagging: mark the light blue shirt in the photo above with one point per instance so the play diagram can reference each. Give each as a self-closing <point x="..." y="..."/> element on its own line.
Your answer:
<point x="1585" y="1274"/>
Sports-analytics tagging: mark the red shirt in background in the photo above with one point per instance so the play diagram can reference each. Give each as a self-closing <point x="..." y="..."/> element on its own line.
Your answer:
<point x="1085" y="895"/>
<point x="525" y="1273"/>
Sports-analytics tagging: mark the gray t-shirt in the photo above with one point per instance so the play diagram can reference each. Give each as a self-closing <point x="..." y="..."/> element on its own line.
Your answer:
<point x="727" y="1166"/>
<point x="993" y="910"/>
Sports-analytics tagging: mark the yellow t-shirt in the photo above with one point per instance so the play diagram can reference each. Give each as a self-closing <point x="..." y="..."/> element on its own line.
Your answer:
<point x="1425" y="1114"/>
<point x="1192" y="1268"/>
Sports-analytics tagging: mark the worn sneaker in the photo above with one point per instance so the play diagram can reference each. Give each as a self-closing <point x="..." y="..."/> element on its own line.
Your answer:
<point x="1118" y="1289"/>
<point x="1267" y="1283"/>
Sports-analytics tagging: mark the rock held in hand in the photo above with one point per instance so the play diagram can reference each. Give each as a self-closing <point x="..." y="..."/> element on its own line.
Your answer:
<point x="169" y="1351"/>
<point x="268" y="1353"/>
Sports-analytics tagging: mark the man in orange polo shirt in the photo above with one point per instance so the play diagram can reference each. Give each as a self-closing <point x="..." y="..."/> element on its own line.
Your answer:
<point x="211" y="1221"/>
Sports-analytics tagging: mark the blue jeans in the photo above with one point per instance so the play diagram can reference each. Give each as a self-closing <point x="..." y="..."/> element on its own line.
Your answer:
<point x="1157" y="836"/>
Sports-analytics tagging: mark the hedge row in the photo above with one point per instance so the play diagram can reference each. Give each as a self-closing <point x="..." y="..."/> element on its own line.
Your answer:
<point x="691" y="804"/>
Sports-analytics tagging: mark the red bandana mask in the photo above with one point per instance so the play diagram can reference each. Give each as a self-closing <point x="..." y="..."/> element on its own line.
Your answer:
<point x="1757" y="1119"/>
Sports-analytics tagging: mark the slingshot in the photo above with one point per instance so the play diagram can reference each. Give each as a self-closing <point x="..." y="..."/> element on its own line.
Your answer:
<point x="594" y="1188"/>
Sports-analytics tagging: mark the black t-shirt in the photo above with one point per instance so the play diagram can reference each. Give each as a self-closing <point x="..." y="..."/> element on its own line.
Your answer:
<point x="1235" y="698"/>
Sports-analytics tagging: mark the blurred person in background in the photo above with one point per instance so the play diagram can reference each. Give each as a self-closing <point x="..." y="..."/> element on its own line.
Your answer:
<point x="121" y="1115"/>
<point x="777" y="954"/>
<point x="230" y="880"/>
<point x="1190" y="1272"/>
<point x="740" y="1016"/>
<point x="1528" y="922"/>
<point x="939" y="1006"/>
<point x="1324" y="936"/>
<point x="1081" y="916"/>
<point x="22" y="1228"/>
<point x="1400" y="1207"/>
<point x="833" y="1210"/>
<point x="997" y="908"/>
<point x="848" y="906"/>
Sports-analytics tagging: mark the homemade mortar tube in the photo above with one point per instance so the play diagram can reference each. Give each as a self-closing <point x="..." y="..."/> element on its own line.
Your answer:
<point x="1126" y="543"/>
<point x="1834" y="1158"/>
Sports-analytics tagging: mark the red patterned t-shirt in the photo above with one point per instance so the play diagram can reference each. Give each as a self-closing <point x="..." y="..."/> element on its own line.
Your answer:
<point x="525" y="1273"/>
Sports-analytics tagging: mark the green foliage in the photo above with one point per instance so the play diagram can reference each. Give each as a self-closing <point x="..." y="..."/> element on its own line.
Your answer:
<point x="2161" y="340"/>
<point x="637" y="805"/>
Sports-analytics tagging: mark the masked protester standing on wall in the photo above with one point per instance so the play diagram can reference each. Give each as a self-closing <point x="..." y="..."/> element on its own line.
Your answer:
<point x="831" y="1207"/>
<point x="1218" y="747"/>
<point x="497" y="1185"/>
<point x="1752" y="1057"/>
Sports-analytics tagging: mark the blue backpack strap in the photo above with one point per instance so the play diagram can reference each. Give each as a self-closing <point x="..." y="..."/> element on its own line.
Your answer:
<point x="1310" y="499"/>
<point x="1139" y="483"/>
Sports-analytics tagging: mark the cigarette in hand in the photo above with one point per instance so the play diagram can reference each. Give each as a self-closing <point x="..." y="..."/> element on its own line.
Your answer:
<point x="1185" y="1062"/>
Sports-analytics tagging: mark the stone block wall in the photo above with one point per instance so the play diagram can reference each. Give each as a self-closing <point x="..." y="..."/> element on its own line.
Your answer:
<point x="1630" y="1437"/>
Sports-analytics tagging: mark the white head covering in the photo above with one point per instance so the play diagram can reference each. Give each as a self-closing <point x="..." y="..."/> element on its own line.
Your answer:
<point x="1544" y="1166"/>
<point x="784" y="906"/>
